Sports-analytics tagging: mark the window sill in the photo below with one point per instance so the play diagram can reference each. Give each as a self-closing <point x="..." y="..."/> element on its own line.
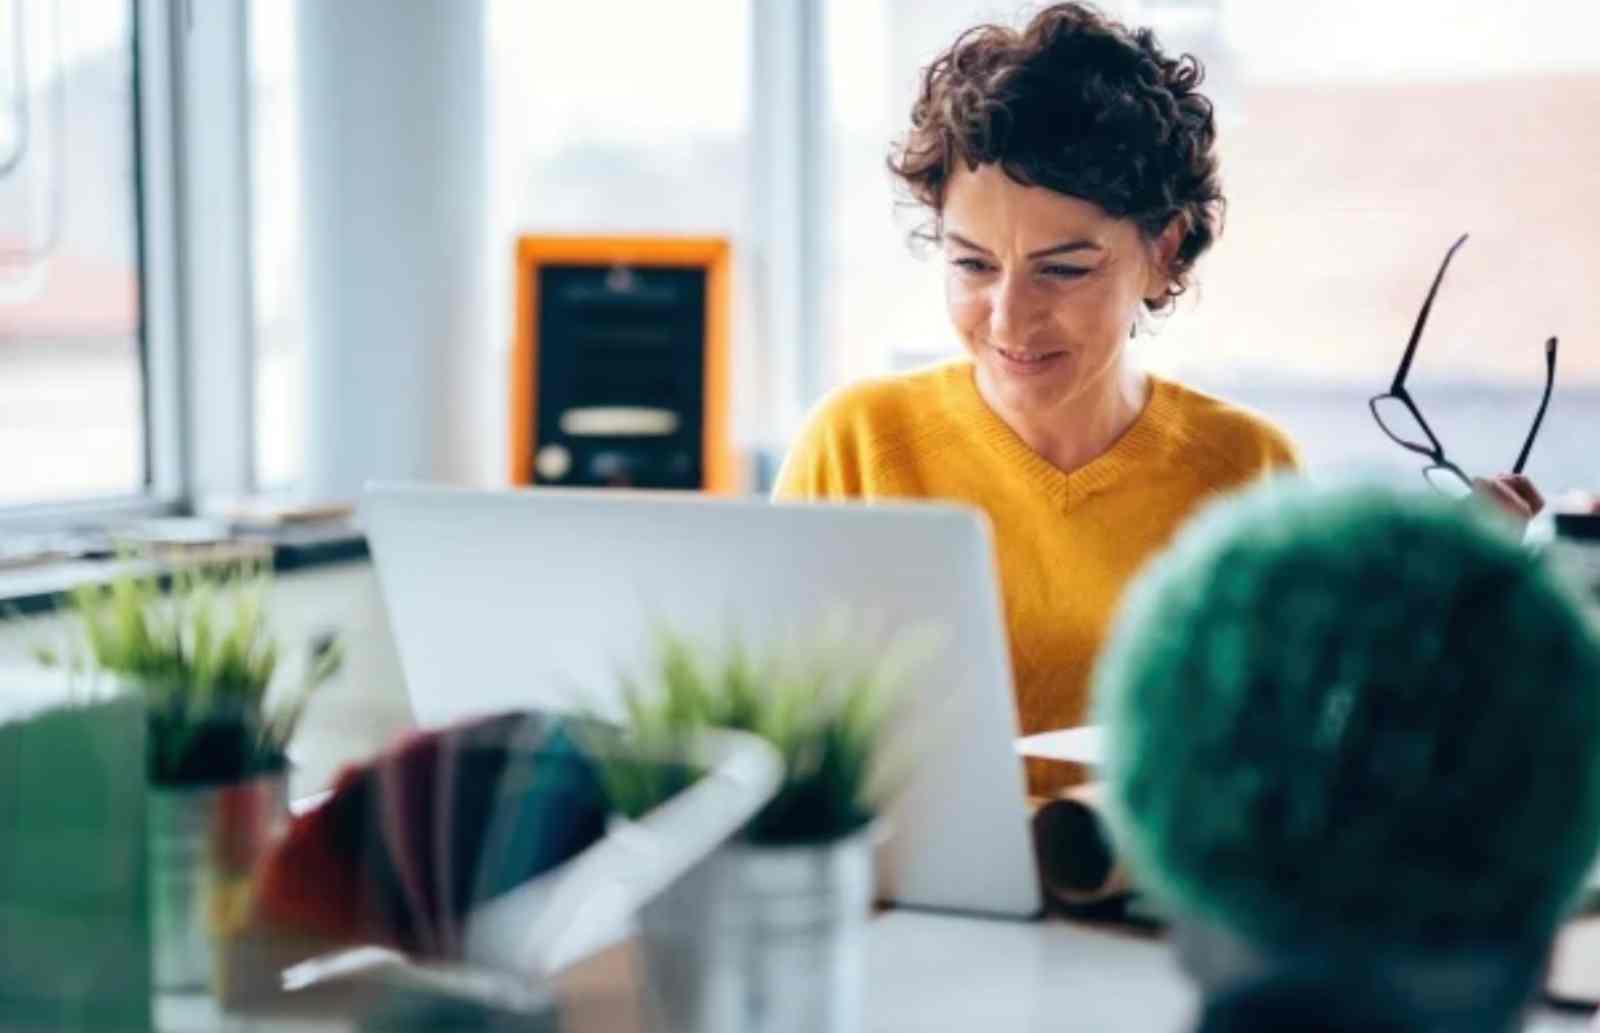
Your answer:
<point x="42" y="589"/>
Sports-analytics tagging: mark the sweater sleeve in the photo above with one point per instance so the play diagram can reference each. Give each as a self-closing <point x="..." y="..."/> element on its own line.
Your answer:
<point x="825" y="461"/>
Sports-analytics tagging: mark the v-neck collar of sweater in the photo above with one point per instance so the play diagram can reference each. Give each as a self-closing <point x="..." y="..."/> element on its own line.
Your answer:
<point x="1146" y="439"/>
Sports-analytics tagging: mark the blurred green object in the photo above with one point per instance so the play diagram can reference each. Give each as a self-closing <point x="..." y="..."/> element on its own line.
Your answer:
<point x="1351" y="719"/>
<point x="825" y="704"/>
<point x="74" y="936"/>
<point x="202" y="652"/>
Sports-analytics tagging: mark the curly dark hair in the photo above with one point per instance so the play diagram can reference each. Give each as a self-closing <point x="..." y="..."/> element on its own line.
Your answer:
<point x="1080" y="104"/>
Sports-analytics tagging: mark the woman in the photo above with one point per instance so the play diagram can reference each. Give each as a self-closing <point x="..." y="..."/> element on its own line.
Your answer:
<point x="1070" y="172"/>
<point x="1071" y="175"/>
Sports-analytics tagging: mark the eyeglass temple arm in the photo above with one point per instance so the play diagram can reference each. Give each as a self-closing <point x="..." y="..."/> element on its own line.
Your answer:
<point x="1422" y="319"/>
<point x="1416" y="414"/>
<point x="1434" y="452"/>
<point x="1544" y="403"/>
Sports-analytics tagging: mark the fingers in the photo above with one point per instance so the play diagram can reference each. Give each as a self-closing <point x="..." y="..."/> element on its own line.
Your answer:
<point x="1524" y="490"/>
<point x="1504" y="497"/>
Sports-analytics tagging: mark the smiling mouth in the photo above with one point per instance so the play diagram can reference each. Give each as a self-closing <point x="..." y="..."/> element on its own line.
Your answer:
<point x="1028" y="359"/>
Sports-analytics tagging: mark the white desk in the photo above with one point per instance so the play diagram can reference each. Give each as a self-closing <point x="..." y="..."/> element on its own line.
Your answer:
<point x="931" y="974"/>
<point x="926" y="974"/>
<point x="934" y="973"/>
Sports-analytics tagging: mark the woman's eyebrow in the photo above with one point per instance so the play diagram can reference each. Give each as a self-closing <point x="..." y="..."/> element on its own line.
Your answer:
<point x="1063" y="248"/>
<point x="960" y="241"/>
<point x="1066" y="248"/>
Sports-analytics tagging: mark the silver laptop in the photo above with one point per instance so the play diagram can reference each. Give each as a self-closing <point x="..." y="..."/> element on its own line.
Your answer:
<point x="539" y="597"/>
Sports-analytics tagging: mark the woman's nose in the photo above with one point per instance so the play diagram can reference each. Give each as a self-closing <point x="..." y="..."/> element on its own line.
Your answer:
<point x="1009" y="309"/>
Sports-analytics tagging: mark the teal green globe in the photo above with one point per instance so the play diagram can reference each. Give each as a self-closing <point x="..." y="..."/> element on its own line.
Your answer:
<point x="1353" y="716"/>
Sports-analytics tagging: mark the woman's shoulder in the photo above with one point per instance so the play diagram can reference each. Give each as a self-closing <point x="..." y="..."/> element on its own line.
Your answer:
<point x="867" y="424"/>
<point x="889" y="406"/>
<point x="1234" y="434"/>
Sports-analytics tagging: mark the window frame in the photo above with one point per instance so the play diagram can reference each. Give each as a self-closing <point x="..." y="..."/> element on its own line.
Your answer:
<point x="209" y="109"/>
<point x="790" y="206"/>
<point x="194" y="268"/>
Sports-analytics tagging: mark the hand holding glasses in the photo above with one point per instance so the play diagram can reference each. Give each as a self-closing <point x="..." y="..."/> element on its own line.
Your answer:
<point x="1398" y="416"/>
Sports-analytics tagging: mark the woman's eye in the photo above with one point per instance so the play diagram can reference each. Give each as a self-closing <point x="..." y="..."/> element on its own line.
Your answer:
<point x="1066" y="272"/>
<point x="970" y="265"/>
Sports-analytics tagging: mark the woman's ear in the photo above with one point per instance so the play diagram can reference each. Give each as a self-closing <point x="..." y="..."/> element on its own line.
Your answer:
<point x="1163" y="252"/>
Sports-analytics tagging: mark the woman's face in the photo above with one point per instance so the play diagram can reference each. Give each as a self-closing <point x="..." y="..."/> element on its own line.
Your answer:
<point x="1043" y="288"/>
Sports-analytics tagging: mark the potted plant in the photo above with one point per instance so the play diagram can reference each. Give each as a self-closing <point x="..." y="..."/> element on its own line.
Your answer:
<point x="197" y="648"/>
<point x="768" y="932"/>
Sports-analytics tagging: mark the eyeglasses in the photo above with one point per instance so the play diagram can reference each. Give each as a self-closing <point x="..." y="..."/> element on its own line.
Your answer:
<point x="1398" y="416"/>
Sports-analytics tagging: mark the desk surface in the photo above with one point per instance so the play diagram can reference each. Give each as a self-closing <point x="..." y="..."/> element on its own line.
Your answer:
<point x="931" y="973"/>
<point x="935" y="973"/>
<point x="926" y="974"/>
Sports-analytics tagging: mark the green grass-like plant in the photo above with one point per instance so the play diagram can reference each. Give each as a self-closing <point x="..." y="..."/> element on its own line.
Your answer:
<point x="201" y="651"/>
<point x="825" y="705"/>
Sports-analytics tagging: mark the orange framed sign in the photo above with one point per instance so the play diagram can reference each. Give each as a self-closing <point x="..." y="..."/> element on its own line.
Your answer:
<point x="620" y="367"/>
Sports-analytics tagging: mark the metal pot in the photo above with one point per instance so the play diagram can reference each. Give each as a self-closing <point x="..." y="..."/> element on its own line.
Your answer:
<point x="759" y="939"/>
<point x="203" y="843"/>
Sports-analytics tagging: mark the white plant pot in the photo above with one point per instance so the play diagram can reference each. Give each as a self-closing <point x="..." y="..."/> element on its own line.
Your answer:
<point x="762" y="940"/>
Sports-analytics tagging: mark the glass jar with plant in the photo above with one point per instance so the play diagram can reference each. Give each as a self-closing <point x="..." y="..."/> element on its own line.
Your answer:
<point x="197" y="647"/>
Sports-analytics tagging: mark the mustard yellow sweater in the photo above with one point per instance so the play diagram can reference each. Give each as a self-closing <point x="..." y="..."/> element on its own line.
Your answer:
<point x="1067" y="542"/>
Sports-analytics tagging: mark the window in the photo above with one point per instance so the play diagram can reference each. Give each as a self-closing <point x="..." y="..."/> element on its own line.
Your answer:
<point x="1357" y="140"/>
<point x="611" y="131"/>
<point x="72" y="389"/>
<point x="279" y="242"/>
<point x="618" y="118"/>
<point x="591" y="131"/>
<point x="885" y="305"/>
<point x="1353" y="160"/>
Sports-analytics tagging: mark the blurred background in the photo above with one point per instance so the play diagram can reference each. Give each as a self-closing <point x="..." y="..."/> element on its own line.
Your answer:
<point x="1358" y="140"/>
